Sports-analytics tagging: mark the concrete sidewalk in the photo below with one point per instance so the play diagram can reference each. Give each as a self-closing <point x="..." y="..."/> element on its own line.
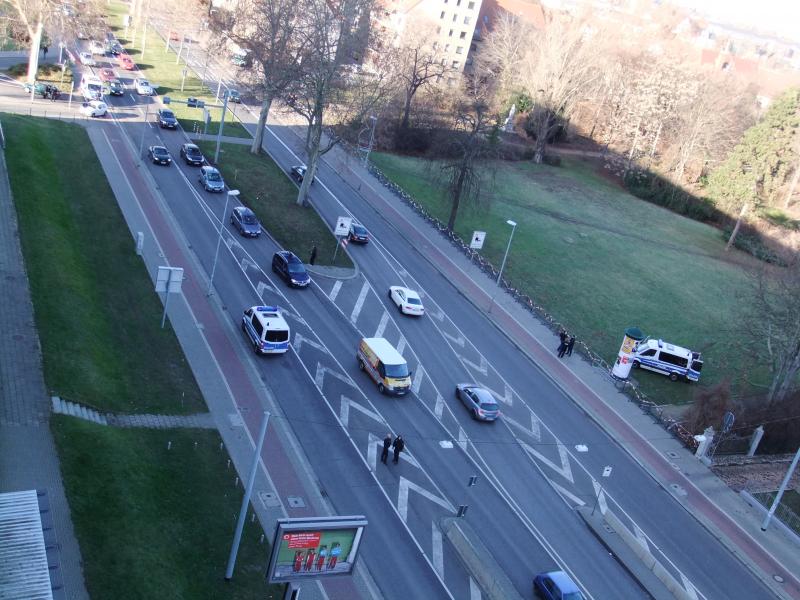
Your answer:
<point x="28" y="458"/>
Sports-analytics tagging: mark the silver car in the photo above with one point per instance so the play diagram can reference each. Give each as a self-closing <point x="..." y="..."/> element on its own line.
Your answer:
<point x="211" y="179"/>
<point x="479" y="401"/>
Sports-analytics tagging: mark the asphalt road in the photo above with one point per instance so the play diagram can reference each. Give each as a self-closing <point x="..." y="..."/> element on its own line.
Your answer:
<point x="530" y="474"/>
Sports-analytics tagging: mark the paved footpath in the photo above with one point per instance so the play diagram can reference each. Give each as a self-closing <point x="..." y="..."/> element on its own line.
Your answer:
<point x="28" y="458"/>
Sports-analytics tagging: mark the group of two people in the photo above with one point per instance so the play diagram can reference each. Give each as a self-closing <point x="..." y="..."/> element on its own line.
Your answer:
<point x="566" y="345"/>
<point x="397" y="445"/>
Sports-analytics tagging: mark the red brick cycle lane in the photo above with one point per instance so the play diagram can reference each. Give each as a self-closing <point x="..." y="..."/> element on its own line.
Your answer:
<point x="281" y="469"/>
<point x="646" y="454"/>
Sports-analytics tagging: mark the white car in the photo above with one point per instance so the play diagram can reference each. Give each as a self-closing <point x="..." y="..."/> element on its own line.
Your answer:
<point x="87" y="59"/>
<point x="407" y="301"/>
<point x="96" y="47"/>
<point x="94" y="108"/>
<point x="143" y="87"/>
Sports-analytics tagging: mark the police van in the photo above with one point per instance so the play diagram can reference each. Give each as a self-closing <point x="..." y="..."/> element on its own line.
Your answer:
<point x="91" y="88"/>
<point x="266" y="329"/>
<point x="670" y="360"/>
<point x="387" y="367"/>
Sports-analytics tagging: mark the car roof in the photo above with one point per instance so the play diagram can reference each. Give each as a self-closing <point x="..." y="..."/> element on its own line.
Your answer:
<point x="159" y="148"/>
<point x="190" y="146"/>
<point x="244" y="210"/>
<point x="208" y="169"/>
<point x="563" y="581"/>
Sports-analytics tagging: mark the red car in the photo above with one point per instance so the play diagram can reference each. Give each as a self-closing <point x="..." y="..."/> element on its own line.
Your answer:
<point x="126" y="62"/>
<point x="107" y="75"/>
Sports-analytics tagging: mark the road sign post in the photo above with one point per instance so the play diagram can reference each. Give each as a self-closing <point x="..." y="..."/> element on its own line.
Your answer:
<point x="340" y="231"/>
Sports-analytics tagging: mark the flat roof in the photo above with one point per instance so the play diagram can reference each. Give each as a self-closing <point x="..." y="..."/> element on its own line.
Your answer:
<point x="385" y="351"/>
<point x="24" y="573"/>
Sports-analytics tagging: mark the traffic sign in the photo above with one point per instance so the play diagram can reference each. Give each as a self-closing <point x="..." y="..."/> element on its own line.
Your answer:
<point x="477" y="240"/>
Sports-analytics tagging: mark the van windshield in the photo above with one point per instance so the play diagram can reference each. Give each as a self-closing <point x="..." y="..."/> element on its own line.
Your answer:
<point x="396" y="371"/>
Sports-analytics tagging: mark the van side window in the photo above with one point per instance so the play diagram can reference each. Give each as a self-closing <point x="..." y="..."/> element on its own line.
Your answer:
<point x="651" y="352"/>
<point x="381" y="370"/>
<point x="257" y="325"/>
<point x="672" y="359"/>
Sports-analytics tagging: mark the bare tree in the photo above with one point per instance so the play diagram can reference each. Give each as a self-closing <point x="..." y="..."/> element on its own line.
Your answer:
<point x="269" y="31"/>
<point x="772" y="320"/>
<point x="472" y="139"/>
<point x="419" y="63"/>
<point x="323" y="86"/>
<point x="502" y="53"/>
<point x="557" y="70"/>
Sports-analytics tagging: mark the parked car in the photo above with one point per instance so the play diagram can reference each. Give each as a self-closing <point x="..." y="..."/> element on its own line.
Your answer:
<point x="479" y="401"/>
<point x="556" y="585"/>
<point x="233" y="96"/>
<point x="143" y="87"/>
<point x="87" y="59"/>
<point x="159" y="155"/>
<point x="245" y="221"/>
<point x="126" y="62"/>
<point x="166" y="119"/>
<point x="115" y="88"/>
<point x="97" y="47"/>
<point x="107" y="75"/>
<point x="298" y="172"/>
<point x="192" y="155"/>
<point x="407" y="301"/>
<point x="290" y="268"/>
<point x="94" y="108"/>
<point x="211" y="179"/>
<point x="358" y="233"/>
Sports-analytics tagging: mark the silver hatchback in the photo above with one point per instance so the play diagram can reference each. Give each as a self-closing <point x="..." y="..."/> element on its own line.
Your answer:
<point x="479" y="401"/>
<point x="211" y="179"/>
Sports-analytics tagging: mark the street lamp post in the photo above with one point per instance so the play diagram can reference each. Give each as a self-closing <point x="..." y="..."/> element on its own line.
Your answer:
<point x="231" y="193"/>
<point x="508" y="247"/>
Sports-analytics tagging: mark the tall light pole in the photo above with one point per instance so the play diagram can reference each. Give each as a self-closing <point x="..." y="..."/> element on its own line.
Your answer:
<point x="782" y="489"/>
<point x="221" y="124"/>
<point x="231" y="193"/>
<point x="374" y="120"/>
<point x="505" y="256"/>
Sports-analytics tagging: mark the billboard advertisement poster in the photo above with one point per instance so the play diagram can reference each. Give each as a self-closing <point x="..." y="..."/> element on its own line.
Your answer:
<point x="307" y="548"/>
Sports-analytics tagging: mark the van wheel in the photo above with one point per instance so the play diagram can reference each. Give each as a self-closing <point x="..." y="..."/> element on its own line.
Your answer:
<point x="673" y="377"/>
<point x="635" y="364"/>
<point x="381" y="389"/>
<point x="360" y="364"/>
<point x="255" y="348"/>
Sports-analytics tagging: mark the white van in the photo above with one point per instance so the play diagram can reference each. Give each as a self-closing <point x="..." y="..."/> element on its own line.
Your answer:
<point x="668" y="359"/>
<point x="385" y="365"/>
<point x="266" y="329"/>
<point x="92" y="88"/>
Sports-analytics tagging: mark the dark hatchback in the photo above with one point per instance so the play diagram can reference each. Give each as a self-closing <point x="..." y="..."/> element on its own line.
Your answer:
<point x="192" y="155"/>
<point x="166" y="119"/>
<point x="290" y="269"/>
<point x="245" y="221"/>
<point x="115" y="87"/>
<point x="358" y="233"/>
<point x="159" y="155"/>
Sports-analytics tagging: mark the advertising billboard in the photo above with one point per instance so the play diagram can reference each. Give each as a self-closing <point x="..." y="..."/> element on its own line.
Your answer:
<point x="307" y="548"/>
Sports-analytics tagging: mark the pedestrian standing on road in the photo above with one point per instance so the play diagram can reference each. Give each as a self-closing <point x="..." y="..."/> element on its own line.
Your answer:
<point x="313" y="255"/>
<point x="562" y="335"/>
<point x="398" y="445"/>
<point x="570" y="345"/>
<point x="44" y="51"/>
<point x="387" y="443"/>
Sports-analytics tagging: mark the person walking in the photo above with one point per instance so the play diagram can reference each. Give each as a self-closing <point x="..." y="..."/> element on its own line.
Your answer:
<point x="570" y="345"/>
<point x="387" y="443"/>
<point x="398" y="446"/>
<point x="313" y="257"/>
<point x="562" y="347"/>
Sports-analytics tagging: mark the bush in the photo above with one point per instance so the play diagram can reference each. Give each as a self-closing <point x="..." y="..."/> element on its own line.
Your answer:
<point x="753" y="245"/>
<point x="777" y="217"/>
<point x="551" y="159"/>
<point x="412" y="141"/>
<point x="650" y="187"/>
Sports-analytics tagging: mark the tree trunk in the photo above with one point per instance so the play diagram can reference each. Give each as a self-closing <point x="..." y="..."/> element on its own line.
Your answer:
<point x="735" y="231"/>
<point x="255" y="148"/>
<point x="33" y="57"/>
<point x="783" y="380"/>
<point x="792" y="185"/>
<point x="451" y="222"/>
<point x="407" y="110"/>
<point x="315" y="138"/>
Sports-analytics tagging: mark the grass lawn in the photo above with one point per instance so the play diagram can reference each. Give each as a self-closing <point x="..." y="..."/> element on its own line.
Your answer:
<point x="161" y="69"/>
<point x="47" y="73"/>
<point x="96" y="311"/>
<point x="600" y="260"/>
<point x="272" y="195"/>
<point x="157" y="523"/>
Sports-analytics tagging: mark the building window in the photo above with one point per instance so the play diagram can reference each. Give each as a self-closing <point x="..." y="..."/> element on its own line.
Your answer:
<point x="458" y="2"/>
<point x="460" y="50"/>
<point x="466" y="20"/>
<point x="470" y="6"/>
<point x="450" y="34"/>
<point x="455" y="64"/>
<point x="463" y="35"/>
<point x="454" y="18"/>
<point x="473" y="47"/>
<point x="441" y="16"/>
<point x="447" y="47"/>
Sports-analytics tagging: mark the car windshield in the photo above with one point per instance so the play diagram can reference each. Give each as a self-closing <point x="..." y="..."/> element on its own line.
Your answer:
<point x="396" y="371"/>
<point x="94" y="87"/>
<point x="193" y="150"/>
<point x="167" y="114"/>
<point x="213" y="176"/>
<point x="249" y="220"/>
<point x="296" y="268"/>
<point x="144" y="83"/>
<point x="359" y="230"/>
<point x="160" y="151"/>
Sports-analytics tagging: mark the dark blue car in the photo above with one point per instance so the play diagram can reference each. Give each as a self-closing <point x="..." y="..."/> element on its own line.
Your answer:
<point x="556" y="585"/>
<point x="290" y="269"/>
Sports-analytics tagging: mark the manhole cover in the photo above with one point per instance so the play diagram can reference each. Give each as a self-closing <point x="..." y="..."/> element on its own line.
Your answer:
<point x="269" y="500"/>
<point x="677" y="489"/>
<point x="296" y="502"/>
<point x="778" y="578"/>
<point x="672" y="454"/>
